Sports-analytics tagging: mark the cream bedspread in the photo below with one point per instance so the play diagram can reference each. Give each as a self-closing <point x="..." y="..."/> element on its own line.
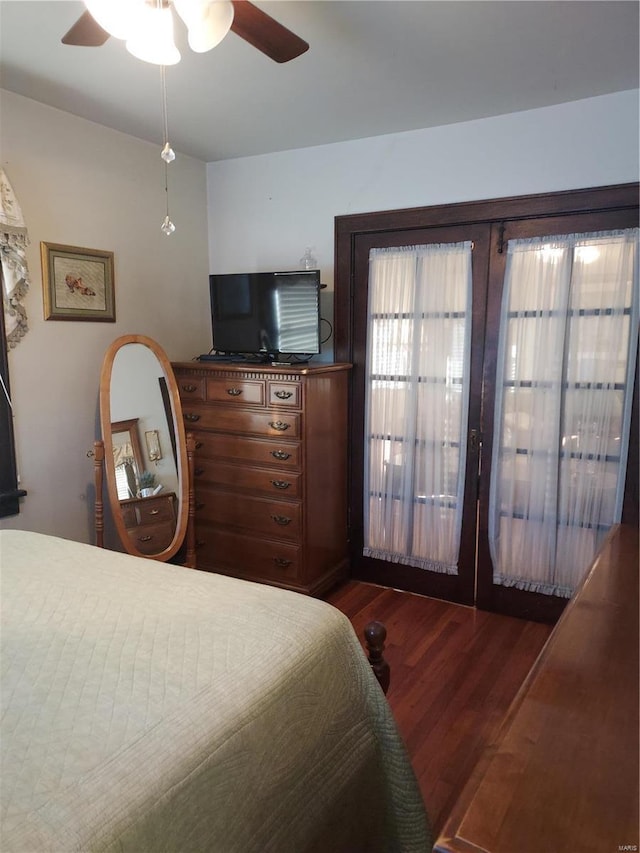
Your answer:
<point x="148" y="707"/>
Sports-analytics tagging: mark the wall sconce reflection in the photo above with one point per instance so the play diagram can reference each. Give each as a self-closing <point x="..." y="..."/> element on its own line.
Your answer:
<point x="152" y="440"/>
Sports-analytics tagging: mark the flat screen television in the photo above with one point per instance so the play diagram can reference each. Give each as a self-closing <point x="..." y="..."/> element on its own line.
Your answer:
<point x="266" y="314"/>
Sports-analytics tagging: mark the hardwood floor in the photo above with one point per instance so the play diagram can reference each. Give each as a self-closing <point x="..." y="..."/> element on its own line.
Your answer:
<point x="454" y="673"/>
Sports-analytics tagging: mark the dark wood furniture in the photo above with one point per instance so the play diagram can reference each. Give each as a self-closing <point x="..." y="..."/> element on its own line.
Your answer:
<point x="563" y="773"/>
<point x="270" y="470"/>
<point x="150" y="522"/>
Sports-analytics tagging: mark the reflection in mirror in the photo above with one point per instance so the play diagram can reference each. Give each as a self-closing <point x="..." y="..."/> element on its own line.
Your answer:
<point x="135" y="391"/>
<point x="127" y="457"/>
<point x="148" y="490"/>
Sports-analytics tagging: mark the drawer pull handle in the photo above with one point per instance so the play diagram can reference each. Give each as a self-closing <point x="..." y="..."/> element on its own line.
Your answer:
<point x="284" y="395"/>
<point x="280" y="454"/>
<point x="281" y="562"/>
<point x="279" y="425"/>
<point x="280" y="484"/>
<point x="191" y="417"/>
<point x="234" y="392"/>
<point x="281" y="519"/>
<point x="145" y="538"/>
<point x="199" y="445"/>
<point x="200" y="543"/>
<point x="198" y="471"/>
<point x="200" y="505"/>
<point x="154" y="512"/>
<point x="189" y="388"/>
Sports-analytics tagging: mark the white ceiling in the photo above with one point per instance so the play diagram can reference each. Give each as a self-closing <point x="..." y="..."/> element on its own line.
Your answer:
<point x="373" y="67"/>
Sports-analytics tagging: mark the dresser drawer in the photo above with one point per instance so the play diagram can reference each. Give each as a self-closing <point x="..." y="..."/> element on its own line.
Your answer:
<point x="226" y="419"/>
<point x="277" y="519"/>
<point x="153" y="510"/>
<point x="246" y="556"/>
<point x="283" y="394"/>
<point x="271" y="482"/>
<point x="251" y="450"/>
<point x="152" y="538"/>
<point x="191" y="388"/>
<point x="240" y="391"/>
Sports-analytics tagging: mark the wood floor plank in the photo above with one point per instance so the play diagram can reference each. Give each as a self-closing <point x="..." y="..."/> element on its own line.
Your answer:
<point x="454" y="673"/>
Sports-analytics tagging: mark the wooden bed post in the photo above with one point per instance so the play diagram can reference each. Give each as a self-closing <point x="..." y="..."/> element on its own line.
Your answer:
<point x="375" y="634"/>
<point x="98" y="460"/>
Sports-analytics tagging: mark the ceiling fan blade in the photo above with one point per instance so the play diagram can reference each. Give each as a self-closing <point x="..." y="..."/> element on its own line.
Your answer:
<point x="86" y="32"/>
<point x="265" y="33"/>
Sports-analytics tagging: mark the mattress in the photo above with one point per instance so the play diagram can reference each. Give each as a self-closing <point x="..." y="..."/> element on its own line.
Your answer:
<point x="150" y="707"/>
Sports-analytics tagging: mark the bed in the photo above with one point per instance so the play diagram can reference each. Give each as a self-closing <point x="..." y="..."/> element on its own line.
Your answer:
<point x="149" y="707"/>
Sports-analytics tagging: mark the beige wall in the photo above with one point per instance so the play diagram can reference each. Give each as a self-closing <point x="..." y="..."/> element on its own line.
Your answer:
<point x="81" y="184"/>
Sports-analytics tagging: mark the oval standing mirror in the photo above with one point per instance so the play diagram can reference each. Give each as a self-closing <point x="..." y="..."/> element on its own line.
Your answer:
<point x="145" y="451"/>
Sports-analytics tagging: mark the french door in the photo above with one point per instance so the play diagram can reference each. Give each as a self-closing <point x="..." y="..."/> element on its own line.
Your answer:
<point x="414" y="403"/>
<point x="559" y="370"/>
<point x="434" y="385"/>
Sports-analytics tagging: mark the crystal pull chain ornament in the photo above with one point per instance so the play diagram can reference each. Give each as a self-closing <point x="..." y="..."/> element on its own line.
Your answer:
<point x="168" y="155"/>
<point x="167" y="226"/>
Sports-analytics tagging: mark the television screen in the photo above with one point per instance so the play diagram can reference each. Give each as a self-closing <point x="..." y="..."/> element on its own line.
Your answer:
<point x="266" y="313"/>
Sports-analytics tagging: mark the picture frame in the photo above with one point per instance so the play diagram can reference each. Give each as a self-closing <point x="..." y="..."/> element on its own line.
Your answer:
<point x="77" y="283"/>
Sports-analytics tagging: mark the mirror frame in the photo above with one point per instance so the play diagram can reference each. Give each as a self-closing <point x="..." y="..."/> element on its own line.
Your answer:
<point x="183" y="494"/>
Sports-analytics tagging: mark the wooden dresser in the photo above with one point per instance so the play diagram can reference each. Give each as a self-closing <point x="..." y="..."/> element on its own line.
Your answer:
<point x="270" y="470"/>
<point x="150" y="522"/>
<point x="562" y="776"/>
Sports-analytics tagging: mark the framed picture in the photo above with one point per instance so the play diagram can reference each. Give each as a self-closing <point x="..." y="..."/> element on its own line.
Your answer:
<point x="77" y="284"/>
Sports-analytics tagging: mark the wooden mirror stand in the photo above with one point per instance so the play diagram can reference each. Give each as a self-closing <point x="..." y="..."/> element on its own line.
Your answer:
<point x="138" y="391"/>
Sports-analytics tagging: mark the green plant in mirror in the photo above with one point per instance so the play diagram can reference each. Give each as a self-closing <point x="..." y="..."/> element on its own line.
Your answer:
<point x="147" y="480"/>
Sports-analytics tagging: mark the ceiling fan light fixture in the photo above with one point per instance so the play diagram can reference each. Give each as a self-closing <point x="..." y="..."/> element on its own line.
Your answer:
<point x="207" y="21"/>
<point x="152" y="40"/>
<point x="118" y="17"/>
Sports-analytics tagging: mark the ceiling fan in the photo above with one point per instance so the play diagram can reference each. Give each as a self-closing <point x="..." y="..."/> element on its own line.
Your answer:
<point x="147" y="27"/>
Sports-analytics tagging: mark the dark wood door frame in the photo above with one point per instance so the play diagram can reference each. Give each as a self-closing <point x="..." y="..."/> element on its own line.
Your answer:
<point x="348" y="298"/>
<point x="347" y="228"/>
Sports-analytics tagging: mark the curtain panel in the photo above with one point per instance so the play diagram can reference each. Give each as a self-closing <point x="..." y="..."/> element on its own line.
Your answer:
<point x="566" y="361"/>
<point x="417" y="369"/>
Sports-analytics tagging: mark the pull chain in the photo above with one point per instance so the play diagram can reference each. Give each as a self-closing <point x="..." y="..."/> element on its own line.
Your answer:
<point x="167" y="154"/>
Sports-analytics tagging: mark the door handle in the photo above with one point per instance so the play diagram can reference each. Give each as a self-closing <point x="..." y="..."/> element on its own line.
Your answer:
<point x="475" y="439"/>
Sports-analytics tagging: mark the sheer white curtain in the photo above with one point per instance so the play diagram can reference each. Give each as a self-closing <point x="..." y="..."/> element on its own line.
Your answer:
<point x="418" y="355"/>
<point x="568" y="337"/>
